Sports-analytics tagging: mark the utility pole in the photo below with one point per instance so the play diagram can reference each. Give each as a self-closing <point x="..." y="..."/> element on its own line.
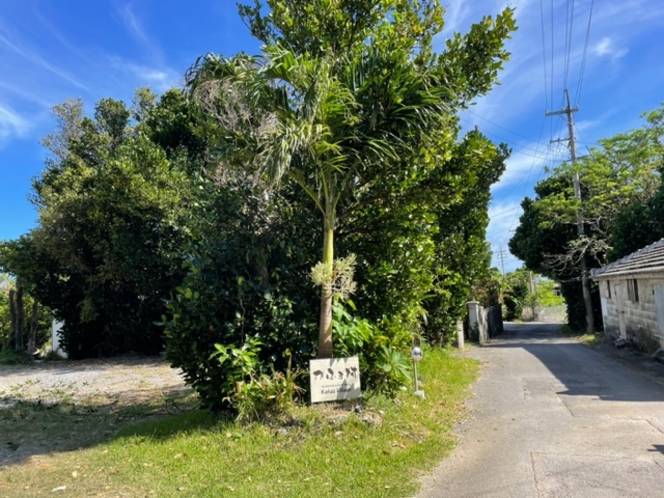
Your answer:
<point x="585" y="281"/>
<point x="501" y="255"/>
<point x="533" y="296"/>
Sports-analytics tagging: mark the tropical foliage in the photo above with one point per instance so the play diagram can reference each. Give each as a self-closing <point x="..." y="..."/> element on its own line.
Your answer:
<point x="212" y="199"/>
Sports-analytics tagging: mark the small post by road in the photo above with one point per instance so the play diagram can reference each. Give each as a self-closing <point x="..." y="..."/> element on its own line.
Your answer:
<point x="416" y="356"/>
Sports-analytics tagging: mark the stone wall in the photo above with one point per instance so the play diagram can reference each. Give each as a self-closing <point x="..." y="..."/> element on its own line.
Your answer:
<point x="640" y="317"/>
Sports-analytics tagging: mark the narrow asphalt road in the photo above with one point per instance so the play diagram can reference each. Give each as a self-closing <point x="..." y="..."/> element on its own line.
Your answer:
<point x="553" y="418"/>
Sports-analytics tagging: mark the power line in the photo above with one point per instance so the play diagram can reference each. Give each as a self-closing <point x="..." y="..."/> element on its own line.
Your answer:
<point x="552" y="48"/>
<point x="585" y="52"/>
<point x="506" y="129"/>
<point x="546" y="84"/>
<point x="569" y="29"/>
<point x="524" y="179"/>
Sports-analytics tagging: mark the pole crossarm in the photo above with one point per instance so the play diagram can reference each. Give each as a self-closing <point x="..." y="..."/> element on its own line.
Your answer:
<point x="562" y="111"/>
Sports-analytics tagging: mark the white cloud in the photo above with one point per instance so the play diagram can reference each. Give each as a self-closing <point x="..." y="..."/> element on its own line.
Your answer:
<point x="160" y="78"/>
<point x="456" y="13"/>
<point x="25" y="94"/>
<point x="135" y="28"/>
<point x="519" y="169"/>
<point x="11" y="124"/>
<point x="605" y="47"/>
<point x="132" y="23"/>
<point x="503" y="215"/>
<point x="526" y="165"/>
<point x="155" y="72"/>
<point x="41" y="62"/>
<point x="602" y="48"/>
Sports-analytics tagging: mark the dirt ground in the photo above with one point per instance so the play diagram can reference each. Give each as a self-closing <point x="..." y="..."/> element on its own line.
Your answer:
<point x="66" y="405"/>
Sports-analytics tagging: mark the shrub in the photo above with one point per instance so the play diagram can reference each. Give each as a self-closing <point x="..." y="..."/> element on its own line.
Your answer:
<point x="246" y="280"/>
<point x="266" y="396"/>
<point x="379" y="347"/>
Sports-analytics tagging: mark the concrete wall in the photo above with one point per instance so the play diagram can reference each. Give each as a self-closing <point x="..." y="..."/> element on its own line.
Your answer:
<point x="55" y="338"/>
<point x="640" y="317"/>
<point x="484" y="323"/>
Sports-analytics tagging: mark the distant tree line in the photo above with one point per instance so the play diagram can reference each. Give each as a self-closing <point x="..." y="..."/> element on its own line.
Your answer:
<point x="621" y="209"/>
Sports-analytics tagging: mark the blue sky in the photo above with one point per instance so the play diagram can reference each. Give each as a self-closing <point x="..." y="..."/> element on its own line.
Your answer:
<point x="53" y="49"/>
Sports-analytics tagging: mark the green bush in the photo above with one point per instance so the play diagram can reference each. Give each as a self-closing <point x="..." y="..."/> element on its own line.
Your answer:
<point x="266" y="397"/>
<point x="205" y="315"/>
<point x="380" y="348"/>
<point x="11" y="357"/>
<point x="246" y="280"/>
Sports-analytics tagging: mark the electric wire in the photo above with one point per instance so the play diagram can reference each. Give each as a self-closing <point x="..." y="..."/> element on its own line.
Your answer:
<point x="552" y="55"/>
<point x="569" y="30"/>
<point x="525" y="178"/>
<point x="537" y="142"/>
<point x="585" y="53"/>
<point x="558" y="149"/>
<point x="546" y="83"/>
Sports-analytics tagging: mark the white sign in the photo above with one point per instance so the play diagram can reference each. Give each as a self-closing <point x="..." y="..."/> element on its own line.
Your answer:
<point x="334" y="378"/>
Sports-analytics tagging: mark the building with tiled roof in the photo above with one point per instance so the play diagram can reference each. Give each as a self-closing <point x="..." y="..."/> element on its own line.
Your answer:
<point x="632" y="296"/>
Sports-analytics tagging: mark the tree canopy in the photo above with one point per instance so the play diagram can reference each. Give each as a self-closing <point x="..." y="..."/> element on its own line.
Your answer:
<point x="352" y="94"/>
<point x="620" y="180"/>
<point x="196" y="216"/>
<point x="103" y="255"/>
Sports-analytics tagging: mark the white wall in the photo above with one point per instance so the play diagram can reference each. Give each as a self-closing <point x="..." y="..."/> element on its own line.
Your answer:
<point x="55" y="338"/>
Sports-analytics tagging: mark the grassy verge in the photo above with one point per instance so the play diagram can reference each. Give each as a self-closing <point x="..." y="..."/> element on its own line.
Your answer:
<point x="589" y="339"/>
<point x="11" y="357"/>
<point x="324" y="450"/>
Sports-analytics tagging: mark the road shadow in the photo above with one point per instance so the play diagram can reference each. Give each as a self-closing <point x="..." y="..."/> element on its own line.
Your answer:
<point x="584" y="371"/>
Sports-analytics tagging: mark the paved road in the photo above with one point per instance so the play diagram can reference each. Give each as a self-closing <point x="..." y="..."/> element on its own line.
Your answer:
<point x="554" y="418"/>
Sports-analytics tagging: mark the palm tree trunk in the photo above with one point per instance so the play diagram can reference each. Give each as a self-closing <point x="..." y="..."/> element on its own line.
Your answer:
<point x="325" y="322"/>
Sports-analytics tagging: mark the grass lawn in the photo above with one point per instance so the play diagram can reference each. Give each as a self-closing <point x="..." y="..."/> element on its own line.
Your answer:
<point x="324" y="450"/>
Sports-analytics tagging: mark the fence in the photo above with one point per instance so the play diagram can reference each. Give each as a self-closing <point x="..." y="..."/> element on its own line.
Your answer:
<point x="484" y="323"/>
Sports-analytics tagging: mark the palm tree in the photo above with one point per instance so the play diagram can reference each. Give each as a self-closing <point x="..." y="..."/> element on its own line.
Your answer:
<point x="320" y="125"/>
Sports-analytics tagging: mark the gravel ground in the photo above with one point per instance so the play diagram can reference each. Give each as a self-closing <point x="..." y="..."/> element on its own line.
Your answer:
<point x="62" y="406"/>
<point x="118" y="381"/>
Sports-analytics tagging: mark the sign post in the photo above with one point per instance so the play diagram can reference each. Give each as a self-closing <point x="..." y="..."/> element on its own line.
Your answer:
<point x="334" y="378"/>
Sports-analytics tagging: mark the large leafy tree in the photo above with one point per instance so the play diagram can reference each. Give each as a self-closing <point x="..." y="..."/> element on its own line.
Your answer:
<point x="463" y="256"/>
<point x="317" y="135"/>
<point x="641" y="221"/>
<point x="353" y="97"/>
<point x="106" y="250"/>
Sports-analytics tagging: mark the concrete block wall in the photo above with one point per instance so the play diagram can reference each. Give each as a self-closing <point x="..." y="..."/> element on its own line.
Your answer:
<point x="611" y="328"/>
<point x="640" y="317"/>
